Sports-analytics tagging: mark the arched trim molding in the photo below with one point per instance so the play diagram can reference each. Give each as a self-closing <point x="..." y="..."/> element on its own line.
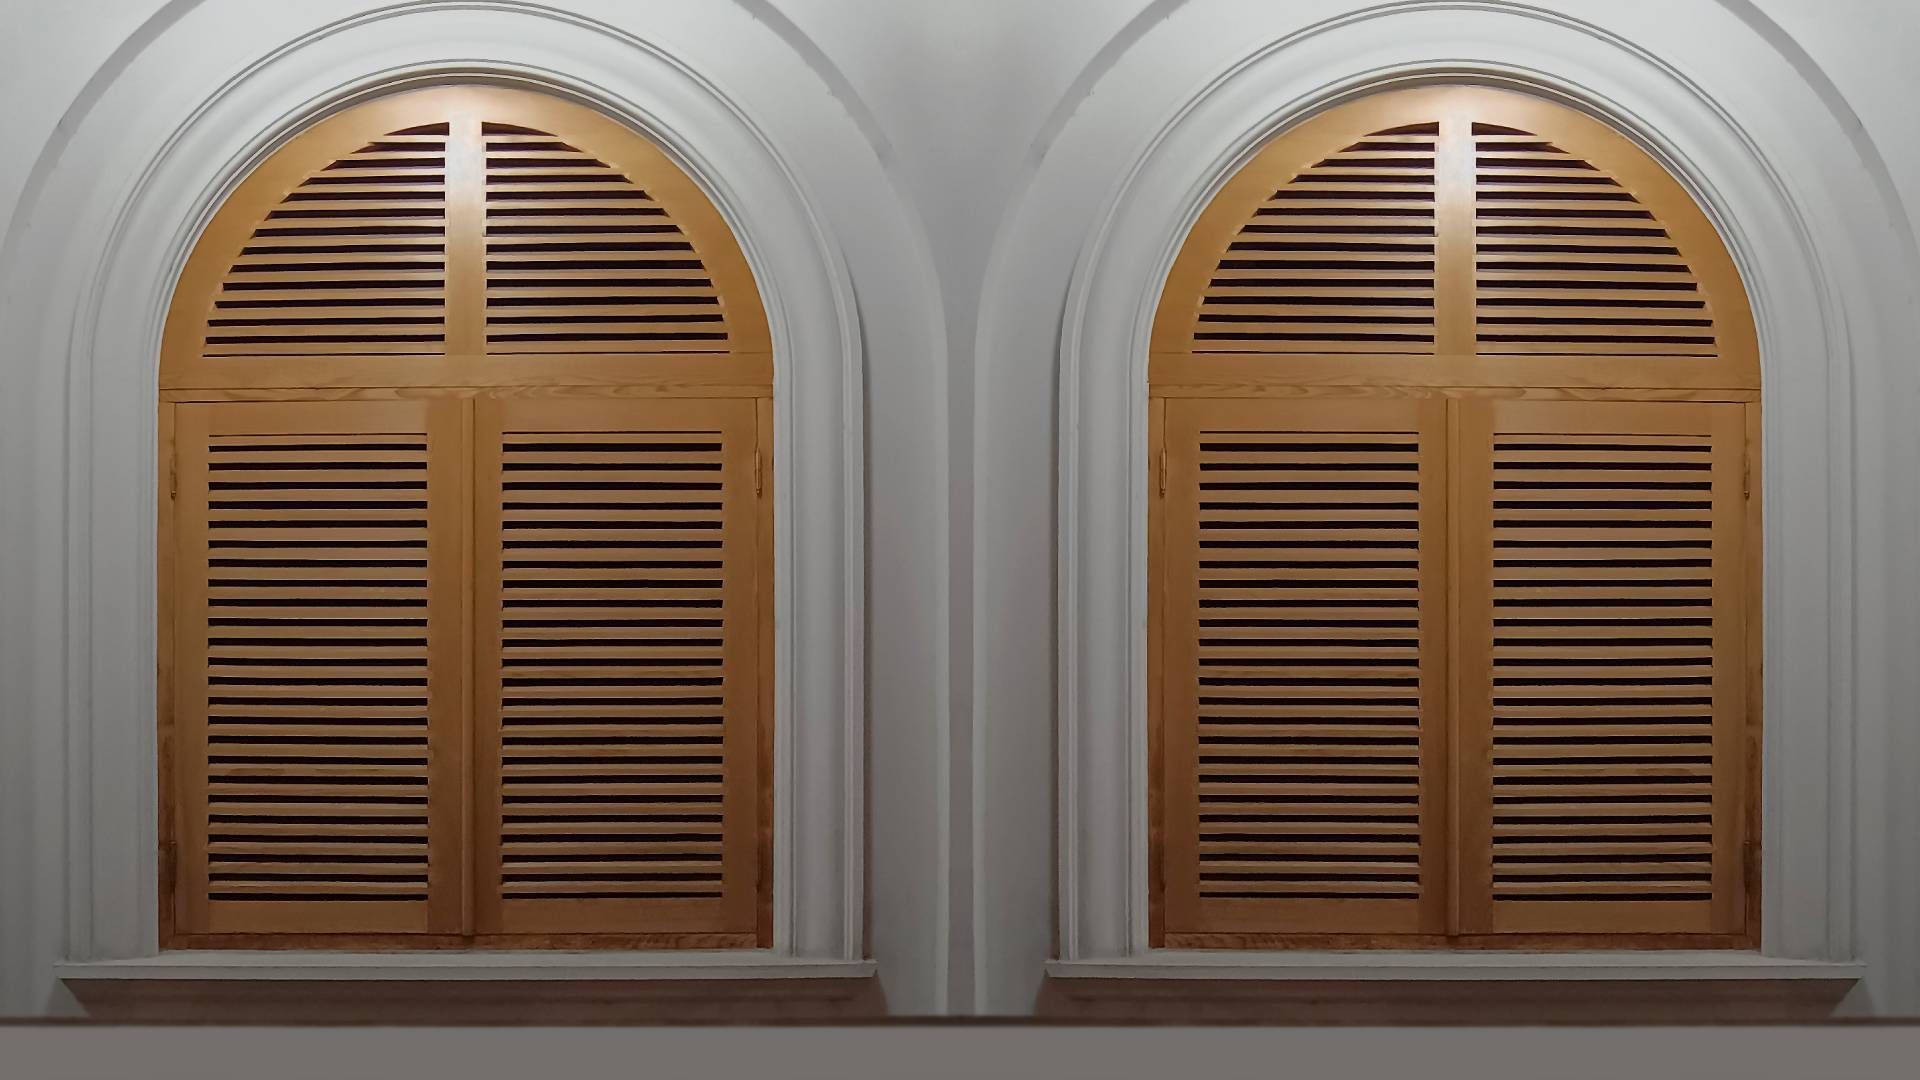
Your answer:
<point x="1818" y="339"/>
<point x="116" y="217"/>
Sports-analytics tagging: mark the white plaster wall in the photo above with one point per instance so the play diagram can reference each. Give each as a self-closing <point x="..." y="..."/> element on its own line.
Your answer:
<point x="958" y="93"/>
<point x="960" y="104"/>
<point x="1867" y="48"/>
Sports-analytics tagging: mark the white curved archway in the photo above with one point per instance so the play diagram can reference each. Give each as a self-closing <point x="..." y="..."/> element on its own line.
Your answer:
<point x="1813" y="253"/>
<point x="113" y="210"/>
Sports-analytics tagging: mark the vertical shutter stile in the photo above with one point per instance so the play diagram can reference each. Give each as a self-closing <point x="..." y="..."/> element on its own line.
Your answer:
<point x="352" y="260"/>
<point x="1568" y="260"/>
<point x="466" y="234"/>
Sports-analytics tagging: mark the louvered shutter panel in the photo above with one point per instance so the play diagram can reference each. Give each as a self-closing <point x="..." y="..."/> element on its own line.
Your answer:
<point x="1453" y="237"/>
<point x="318" y="667"/>
<point x="1302" y="566"/>
<point x="1602" y="656"/>
<point x="580" y="258"/>
<point x="621" y="596"/>
<point x="351" y="261"/>
<point x="1569" y="260"/>
<point x="1339" y="259"/>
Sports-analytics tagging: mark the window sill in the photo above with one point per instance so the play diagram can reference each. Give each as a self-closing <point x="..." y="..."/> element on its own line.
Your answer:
<point x="449" y="966"/>
<point x="1476" y="966"/>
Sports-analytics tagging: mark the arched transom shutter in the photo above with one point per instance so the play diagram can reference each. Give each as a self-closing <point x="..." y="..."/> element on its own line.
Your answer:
<point x="1453" y="572"/>
<point x="1337" y="260"/>
<point x="467" y="403"/>
<point x="1567" y="259"/>
<point x="515" y="239"/>
<point x="1455" y="237"/>
<point x="581" y="258"/>
<point x="353" y="259"/>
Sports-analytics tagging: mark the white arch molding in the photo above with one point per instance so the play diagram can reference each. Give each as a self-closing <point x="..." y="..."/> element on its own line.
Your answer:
<point x="1829" y="281"/>
<point x="91" y="273"/>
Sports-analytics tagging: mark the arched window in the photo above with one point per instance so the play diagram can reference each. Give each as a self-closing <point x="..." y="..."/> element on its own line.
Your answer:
<point x="466" y="562"/>
<point x="1454" y="563"/>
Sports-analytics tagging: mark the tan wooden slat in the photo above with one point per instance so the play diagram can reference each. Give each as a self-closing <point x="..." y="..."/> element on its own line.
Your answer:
<point x="1365" y="194"/>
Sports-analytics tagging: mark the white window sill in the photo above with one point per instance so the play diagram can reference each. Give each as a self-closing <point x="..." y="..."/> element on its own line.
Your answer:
<point x="465" y="966"/>
<point x="1462" y="966"/>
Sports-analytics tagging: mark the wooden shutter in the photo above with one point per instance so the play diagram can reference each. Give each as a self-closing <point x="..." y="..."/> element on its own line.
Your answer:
<point x="623" y="606"/>
<point x="582" y="259"/>
<point x="1567" y="259"/>
<point x="1601" y="666"/>
<point x="318" y="726"/>
<point x="1339" y="259"/>
<point x="1538" y="303"/>
<point x="467" y="236"/>
<point x="1301" y="710"/>
<point x="351" y="261"/>
<point x="556" y="730"/>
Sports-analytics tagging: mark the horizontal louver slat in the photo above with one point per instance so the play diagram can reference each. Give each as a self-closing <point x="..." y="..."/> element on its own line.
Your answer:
<point x="1546" y="219"/>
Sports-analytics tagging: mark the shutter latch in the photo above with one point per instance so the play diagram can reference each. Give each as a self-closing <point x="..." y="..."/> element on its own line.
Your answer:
<point x="1163" y="472"/>
<point x="757" y="483"/>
